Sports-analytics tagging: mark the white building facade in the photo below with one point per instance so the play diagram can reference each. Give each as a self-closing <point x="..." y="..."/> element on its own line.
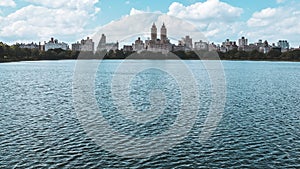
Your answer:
<point x="54" y="44"/>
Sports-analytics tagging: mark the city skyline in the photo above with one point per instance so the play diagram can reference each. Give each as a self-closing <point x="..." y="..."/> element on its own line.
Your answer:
<point x="162" y="44"/>
<point x="31" y="20"/>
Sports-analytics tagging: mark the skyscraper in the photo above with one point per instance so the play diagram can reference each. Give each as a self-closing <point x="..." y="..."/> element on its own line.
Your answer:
<point x="163" y="33"/>
<point x="153" y="32"/>
<point x="102" y="43"/>
<point x="243" y="42"/>
<point x="188" y="42"/>
<point x="155" y="44"/>
<point x="103" y="39"/>
<point x="284" y="44"/>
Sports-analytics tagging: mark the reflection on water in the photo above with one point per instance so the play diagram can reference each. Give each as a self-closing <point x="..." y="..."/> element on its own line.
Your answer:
<point x="259" y="128"/>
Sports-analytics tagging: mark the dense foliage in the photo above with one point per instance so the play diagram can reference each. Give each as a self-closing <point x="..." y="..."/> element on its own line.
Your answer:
<point x="15" y="53"/>
<point x="275" y="55"/>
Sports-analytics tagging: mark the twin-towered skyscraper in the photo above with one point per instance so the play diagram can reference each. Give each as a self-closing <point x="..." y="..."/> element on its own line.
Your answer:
<point x="156" y="44"/>
<point x="163" y="33"/>
<point x="152" y="44"/>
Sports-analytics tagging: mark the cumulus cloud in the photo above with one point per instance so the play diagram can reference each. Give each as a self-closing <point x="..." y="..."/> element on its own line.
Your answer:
<point x="219" y="21"/>
<point x="263" y="17"/>
<point x="134" y="11"/>
<point x="208" y="10"/>
<point x="275" y="23"/>
<point x="215" y="19"/>
<point x="7" y="3"/>
<point x="66" y="19"/>
<point x="139" y="25"/>
<point x="70" y="4"/>
<point x="211" y="20"/>
<point x="44" y="19"/>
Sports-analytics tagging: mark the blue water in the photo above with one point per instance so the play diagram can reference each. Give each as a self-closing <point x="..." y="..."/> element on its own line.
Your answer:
<point x="260" y="126"/>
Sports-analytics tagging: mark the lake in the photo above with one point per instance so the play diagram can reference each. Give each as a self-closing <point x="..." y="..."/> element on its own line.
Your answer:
<point x="45" y="123"/>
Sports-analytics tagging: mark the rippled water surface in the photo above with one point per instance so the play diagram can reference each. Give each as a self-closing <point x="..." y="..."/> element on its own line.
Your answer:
<point x="260" y="126"/>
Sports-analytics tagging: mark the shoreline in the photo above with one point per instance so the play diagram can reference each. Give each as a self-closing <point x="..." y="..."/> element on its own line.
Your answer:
<point x="16" y="55"/>
<point x="245" y="60"/>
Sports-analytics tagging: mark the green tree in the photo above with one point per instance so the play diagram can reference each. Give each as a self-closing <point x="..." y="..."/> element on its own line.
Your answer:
<point x="274" y="55"/>
<point x="256" y="55"/>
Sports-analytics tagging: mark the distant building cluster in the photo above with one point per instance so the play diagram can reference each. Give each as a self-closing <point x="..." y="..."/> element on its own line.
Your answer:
<point x="161" y="44"/>
<point x="29" y="46"/>
<point x="84" y="45"/>
<point x="154" y="43"/>
<point x="186" y="44"/>
<point x="261" y="46"/>
<point x="54" y="44"/>
<point x="103" y="45"/>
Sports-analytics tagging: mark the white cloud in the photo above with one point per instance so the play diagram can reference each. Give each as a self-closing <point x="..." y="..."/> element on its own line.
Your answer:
<point x="67" y="19"/>
<point x="134" y="11"/>
<point x="209" y="10"/>
<point x="70" y="4"/>
<point x="127" y="2"/>
<point x="7" y="3"/>
<point x="128" y="28"/>
<point x="262" y="17"/>
<point x="61" y="19"/>
<point x="280" y="1"/>
<point x="276" y="23"/>
<point x="215" y="19"/>
<point x="97" y="10"/>
<point x="219" y="21"/>
<point x="195" y="20"/>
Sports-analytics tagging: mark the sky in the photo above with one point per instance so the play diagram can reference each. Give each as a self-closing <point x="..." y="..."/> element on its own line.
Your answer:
<point x="27" y="21"/>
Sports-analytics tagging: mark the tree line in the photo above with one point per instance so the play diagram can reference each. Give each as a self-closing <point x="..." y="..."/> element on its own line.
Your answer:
<point x="9" y="53"/>
<point x="15" y="53"/>
<point x="272" y="55"/>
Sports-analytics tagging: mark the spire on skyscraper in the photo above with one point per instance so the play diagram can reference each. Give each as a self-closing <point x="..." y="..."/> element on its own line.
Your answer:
<point x="153" y="32"/>
<point x="163" y="33"/>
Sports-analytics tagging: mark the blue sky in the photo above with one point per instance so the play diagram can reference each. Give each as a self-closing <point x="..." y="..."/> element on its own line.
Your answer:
<point x="121" y="8"/>
<point x="72" y="20"/>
